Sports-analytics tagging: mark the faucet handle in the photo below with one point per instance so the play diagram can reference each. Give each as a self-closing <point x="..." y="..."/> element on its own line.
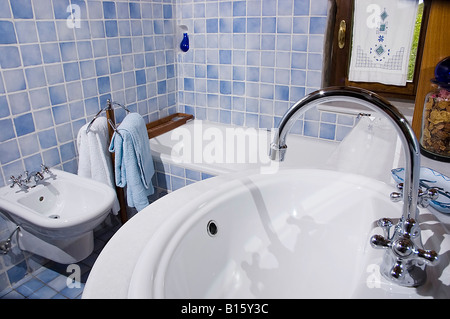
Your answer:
<point x="379" y="242"/>
<point x="15" y="180"/>
<point x="404" y="249"/>
<point x="385" y="224"/>
<point x="396" y="197"/>
<point x="45" y="168"/>
<point x="426" y="196"/>
<point x="382" y="242"/>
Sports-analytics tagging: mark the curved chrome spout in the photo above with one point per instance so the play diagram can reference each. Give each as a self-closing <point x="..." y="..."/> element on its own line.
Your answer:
<point x="405" y="259"/>
<point x="375" y="103"/>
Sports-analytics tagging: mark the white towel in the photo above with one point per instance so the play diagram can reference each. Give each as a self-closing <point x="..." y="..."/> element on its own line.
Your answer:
<point x="382" y="38"/>
<point x="94" y="160"/>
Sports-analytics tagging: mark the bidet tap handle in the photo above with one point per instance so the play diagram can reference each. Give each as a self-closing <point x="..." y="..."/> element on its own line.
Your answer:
<point x="15" y="180"/>
<point x="45" y="169"/>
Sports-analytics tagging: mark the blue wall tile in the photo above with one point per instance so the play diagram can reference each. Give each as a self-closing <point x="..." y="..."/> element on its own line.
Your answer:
<point x="135" y="10"/>
<point x="47" y="138"/>
<point x="84" y="50"/>
<point x="43" y="119"/>
<point x="7" y="33"/>
<point x="239" y="25"/>
<point x="24" y="124"/>
<point x="26" y="31"/>
<point x="19" y="102"/>
<point x="68" y="51"/>
<point x="60" y="9"/>
<point x="14" y="80"/>
<point x="22" y="9"/>
<point x="109" y="10"/>
<point x="54" y="73"/>
<point x="46" y="31"/>
<point x="50" y="53"/>
<point x="301" y="7"/>
<point x="212" y="25"/>
<point x="327" y="131"/>
<point x="104" y="85"/>
<point x="5" y="11"/>
<point x="31" y="54"/>
<point x="6" y="130"/>
<point x="101" y="66"/>
<point x="57" y="94"/>
<point x="28" y="144"/>
<point x="9" y="57"/>
<point x="4" y="108"/>
<point x="111" y="28"/>
<point x="71" y="71"/>
<point x="317" y="25"/>
<point x="9" y="151"/>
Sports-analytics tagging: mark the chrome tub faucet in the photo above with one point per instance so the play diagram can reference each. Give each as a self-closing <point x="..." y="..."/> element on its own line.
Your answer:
<point x="405" y="259"/>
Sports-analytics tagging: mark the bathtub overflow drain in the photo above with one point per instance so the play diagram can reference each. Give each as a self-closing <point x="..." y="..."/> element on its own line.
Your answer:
<point x="212" y="228"/>
<point x="53" y="216"/>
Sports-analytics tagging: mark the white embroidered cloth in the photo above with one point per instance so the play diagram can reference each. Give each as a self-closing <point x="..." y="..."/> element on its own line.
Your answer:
<point x="382" y="37"/>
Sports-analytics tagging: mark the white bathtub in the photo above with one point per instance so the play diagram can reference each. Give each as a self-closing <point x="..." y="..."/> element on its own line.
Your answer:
<point x="216" y="149"/>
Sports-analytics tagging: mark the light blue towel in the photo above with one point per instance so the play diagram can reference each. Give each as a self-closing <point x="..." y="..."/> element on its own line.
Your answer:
<point x="133" y="160"/>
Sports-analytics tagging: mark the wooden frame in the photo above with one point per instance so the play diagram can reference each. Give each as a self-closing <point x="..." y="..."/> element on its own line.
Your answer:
<point x="436" y="48"/>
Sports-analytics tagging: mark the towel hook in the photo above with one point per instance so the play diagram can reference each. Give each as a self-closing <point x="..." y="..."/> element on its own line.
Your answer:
<point x="108" y="106"/>
<point x="114" y="127"/>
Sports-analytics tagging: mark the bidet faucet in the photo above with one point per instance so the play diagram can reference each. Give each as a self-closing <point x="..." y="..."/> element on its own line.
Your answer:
<point x="35" y="175"/>
<point x="405" y="259"/>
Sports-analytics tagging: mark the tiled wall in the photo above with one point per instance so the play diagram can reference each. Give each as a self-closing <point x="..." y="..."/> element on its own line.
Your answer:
<point x="56" y="73"/>
<point x="250" y="60"/>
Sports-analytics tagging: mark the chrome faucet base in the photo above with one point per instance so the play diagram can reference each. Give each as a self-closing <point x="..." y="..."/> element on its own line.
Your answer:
<point x="414" y="275"/>
<point x="405" y="260"/>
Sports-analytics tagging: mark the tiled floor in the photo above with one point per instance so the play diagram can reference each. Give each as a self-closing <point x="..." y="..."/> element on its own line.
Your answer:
<point x="55" y="281"/>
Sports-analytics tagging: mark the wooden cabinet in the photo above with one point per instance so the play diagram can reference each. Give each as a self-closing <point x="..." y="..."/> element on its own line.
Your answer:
<point x="436" y="48"/>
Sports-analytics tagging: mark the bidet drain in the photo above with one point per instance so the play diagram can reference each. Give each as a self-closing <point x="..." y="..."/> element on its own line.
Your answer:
<point x="212" y="228"/>
<point x="53" y="216"/>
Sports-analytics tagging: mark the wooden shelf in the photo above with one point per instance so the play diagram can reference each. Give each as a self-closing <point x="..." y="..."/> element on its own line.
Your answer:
<point x="167" y="124"/>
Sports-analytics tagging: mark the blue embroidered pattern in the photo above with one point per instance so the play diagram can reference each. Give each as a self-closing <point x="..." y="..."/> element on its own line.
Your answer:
<point x="379" y="55"/>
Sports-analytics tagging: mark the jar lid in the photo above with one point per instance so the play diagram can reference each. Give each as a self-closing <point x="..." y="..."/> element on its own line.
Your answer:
<point x="442" y="73"/>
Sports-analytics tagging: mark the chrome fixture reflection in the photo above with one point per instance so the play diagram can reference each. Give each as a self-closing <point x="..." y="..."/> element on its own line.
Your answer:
<point x="405" y="259"/>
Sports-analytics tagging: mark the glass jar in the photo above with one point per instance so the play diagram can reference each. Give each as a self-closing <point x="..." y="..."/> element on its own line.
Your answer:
<point x="435" y="136"/>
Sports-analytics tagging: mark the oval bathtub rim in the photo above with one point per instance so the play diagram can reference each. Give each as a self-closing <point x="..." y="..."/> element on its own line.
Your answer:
<point x="159" y="257"/>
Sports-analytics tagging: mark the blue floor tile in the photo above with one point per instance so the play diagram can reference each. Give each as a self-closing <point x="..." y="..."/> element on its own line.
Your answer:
<point x="52" y="281"/>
